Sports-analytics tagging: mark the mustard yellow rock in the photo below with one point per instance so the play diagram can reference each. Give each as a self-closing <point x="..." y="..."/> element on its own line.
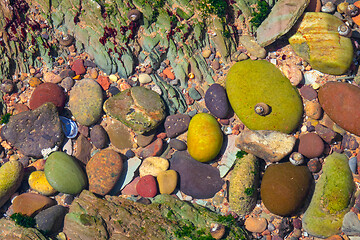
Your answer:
<point x="38" y="182"/>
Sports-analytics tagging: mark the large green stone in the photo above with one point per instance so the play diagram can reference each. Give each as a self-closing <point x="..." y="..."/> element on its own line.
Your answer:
<point x="251" y="82"/>
<point x="64" y="174"/>
<point x="11" y="175"/>
<point x="332" y="199"/>
<point x="318" y="41"/>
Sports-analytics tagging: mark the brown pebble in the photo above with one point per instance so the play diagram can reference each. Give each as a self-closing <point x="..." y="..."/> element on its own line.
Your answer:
<point x="313" y="109"/>
<point x="215" y="64"/>
<point x="255" y="224"/>
<point x="308" y="92"/>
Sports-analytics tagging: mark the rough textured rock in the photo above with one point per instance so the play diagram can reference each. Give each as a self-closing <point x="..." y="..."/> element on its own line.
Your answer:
<point x="318" y="41"/>
<point x="9" y="230"/>
<point x="246" y="87"/>
<point x="86" y="100"/>
<point x="197" y="179"/>
<point x="269" y="145"/>
<point x="176" y="124"/>
<point x="92" y="218"/>
<point x="11" y="175"/>
<point x="103" y="171"/>
<point x="32" y="131"/>
<point x="332" y="198"/>
<point x="339" y="101"/>
<point x="47" y="92"/>
<point x="138" y="108"/>
<point x="284" y="188"/>
<point x="244" y="182"/>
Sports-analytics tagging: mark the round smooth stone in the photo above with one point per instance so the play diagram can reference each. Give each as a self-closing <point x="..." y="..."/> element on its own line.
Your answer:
<point x="311" y="145"/>
<point x="11" y="175"/>
<point x="178" y="144"/>
<point x="313" y="110"/>
<point x="99" y="137"/>
<point x="103" y="170"/>
<point x="31" y="203"/>
<point x="153" y="166"/>
<point x="47" y="92"/>
<point x="255" y="224"/>
<point x="38" y="182"/>
<point x="167" y="181"/>
<point x="216" y="101"/>
<point x="146" y="187"/>
<point x="64" y="173"/>
<point x="144" y="78"/>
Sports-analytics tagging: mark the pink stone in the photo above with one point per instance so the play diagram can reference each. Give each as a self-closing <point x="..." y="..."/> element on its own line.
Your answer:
<point x="78" y="67"/>
<point x="146" y="187"/>
<point x="130" y="189"/>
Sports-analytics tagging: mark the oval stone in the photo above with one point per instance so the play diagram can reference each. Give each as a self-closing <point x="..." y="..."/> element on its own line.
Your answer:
<point x="284" y="188"/>
<point x="38" y="182"/>
<point x="216" y="101"/>
<point x="311" y="145"/>
<point x="51" y="219"/>
<point x="339" y="100"/>
<point x="11" y="175"/>
<point x="146" y="187"/>
<point x="31" y="203"/>
<point x="103" y="170"/>
<point x="64" y="173"/>
<point x="99" y="137"/>
<point x="86" y="100"/>
<point x="251" y="82"/>
<point x="167" y="181"/>
<point x="47" y="92"/>
<point x="153" y="166"/>
<point x="204" y="137"/>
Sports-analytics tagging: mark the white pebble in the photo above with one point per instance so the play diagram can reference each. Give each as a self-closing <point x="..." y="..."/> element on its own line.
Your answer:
<point x="113" y="78"/>
<point x="144" y="78"/>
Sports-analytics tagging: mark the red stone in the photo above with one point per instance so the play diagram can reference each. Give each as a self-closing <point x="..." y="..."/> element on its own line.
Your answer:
<point x="104" y="82"/>
<point x="154" y="149"/>
<point x="47" y="92"/>
<point x="146" y="187"/>
<point x="78" y="67"/>
<point x="311" y="145"/>
<point x="168" y="73"/>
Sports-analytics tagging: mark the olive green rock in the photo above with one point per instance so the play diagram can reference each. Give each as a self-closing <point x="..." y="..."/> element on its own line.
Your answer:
<point x="332" y="199"/>
<point x="251" y="82"/>
<point x="244" y="182"/>
<point x="11" y="231"/>
<point x="139" y="108"/>
<point x="64" y="174"/>
<point x="318" y="41"/>
<point x="86" y="99"/>
<point x="11" y="175"/>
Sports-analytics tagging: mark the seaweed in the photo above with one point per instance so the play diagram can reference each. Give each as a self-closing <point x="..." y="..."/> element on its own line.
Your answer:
<point x="23" y="220"/>
<point x="260" y="14"/>
<point x="218" y="7"/>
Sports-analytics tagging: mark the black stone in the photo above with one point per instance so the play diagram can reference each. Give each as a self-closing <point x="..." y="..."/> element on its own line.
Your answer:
<point x="216" y="101"/>
<point x="199" y="180"/>
<point x="99" y="137"/>
<point x="32" y="131"/>
<point x="51" y="219"/>
<point x="113" y="90"/>
<point x="88" y="63"/>
<point x="67" y="73"/>
<point x="178" y="144"/>
<point x="176" y="124"/>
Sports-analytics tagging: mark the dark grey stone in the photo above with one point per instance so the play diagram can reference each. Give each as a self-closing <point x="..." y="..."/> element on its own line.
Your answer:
<point x="51" y="219"/>
<point x="67" y="73"/>
<point x="99" y="137"/>
<point x="178" y="144"/>
<point x="216" y="101"/>
<point x="199" y="180"/>
<point x="32" y="131"/>
<point x="176" y="124"/>
<point x="67" y="83"/>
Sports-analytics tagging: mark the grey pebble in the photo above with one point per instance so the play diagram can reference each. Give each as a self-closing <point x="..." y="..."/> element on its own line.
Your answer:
<point x="194" y="94"/>
<point x="192" y="113"/>
<point x="353" y="164"/>
<point x="177" y="144"/>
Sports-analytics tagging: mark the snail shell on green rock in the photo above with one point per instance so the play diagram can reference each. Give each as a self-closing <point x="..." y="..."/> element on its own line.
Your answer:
<point x="134" y="15"/>
<point x="262" y="109"/>
<point x="344" y="30"/>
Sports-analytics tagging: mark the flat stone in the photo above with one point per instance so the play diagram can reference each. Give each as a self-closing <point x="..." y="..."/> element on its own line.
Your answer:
<point x="99" y="137"/>
<point x="252" y="47"/>
<point x="31" y="203"/>
<point x="103" y="170"/>
<point x="153" y="166"/>
<point x="83" y="149"/>
<point x="145" y="139"/>
<point x="325" y="133"/>
<point x="154" y="149"/>
<point x="216" y="101"/>
<point x="47" y="92"/>
<point x="51" y="77"/>
<point x="311" y="145"/>
<point x="255" y="224"/>
<point x="176" y="124"/>
<point x="119" y="135"/>
<point x="33" y="131"/>
<point x="198" y="180"/>
<point x="269" y="145"/>
<point x="130" y="189"/>
<point x="51" y="219"/>
<point x="78" y="67"/>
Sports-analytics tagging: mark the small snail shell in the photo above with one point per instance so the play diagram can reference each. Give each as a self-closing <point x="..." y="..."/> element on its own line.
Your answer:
<point x="352" y="10"/>
<point x="344" y="30"/>
<point x="328" y="7"/>
<point x="134" y="15"/>
<point x="66" y="40"/>
<point x="262" y="109"/>
<point x="217" y="231"/>
<point x="296" y="158"/>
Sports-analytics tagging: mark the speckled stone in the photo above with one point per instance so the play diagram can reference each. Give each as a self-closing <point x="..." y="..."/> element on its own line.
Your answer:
<point x="146" y="187"/>
<point x="216" y="101"/>
<point x="31" y="203"/>
<point x="99" y="137"/>
<point x="103" y="170"/>
<point x="47" y="92"/>
<point x="311" y="145"/>
<point x="176" y="124"/>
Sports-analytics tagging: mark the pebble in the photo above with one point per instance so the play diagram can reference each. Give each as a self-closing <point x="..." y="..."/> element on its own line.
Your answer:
<point x="103" y="171"/>
<point x="67" y="73"/>
<point x="78" y="67"/>
<point x="325" y="133"/>
<point x="216" y="101"/>
<point x="146" y="187"/>
<point x="252" y="47"/>
<point x="51" y="219"/>
<point x="206" y="53"/>
<point x="145" y="139"/>
<point x="38" y="182"/>
<point x="83" y="149"/>
<point x="67" y="83"/>
<point x="194" y="94"/>
<point x="84" y="130"/>
<point x="311" y="145"/>
<point x="353" y="164"/>
<point x="113" y="90"/>
<point x="99" y="136"/>
<point x="119" y="135"/>
<point x="167" y="181"/>
<point x="308" y="92"/>
<point x="93" y="73"/>
<point x="153" y="166"/>
<point x="255" y="224"/>
<point x="176" y="124"/>
<point x="113" y="78"/>
<point x="169" y="74"/>
<point x="153" y="149"/>
<point x="314" y="165"/>
<point x="293" y="73"/>
<point x="130" y="189"/>
<point x="144" y="78"/>
<point x="313" y="109"/>
<point x="47" y="92"/>
<point x="216" y="65"/>
<point x="51" y="77"/>
<point x="34" y="82"/>
<point x="104" y="82"/>
<point x="31" y="203"/>
<point x="178" y="144"/>
<point x="129" y="153"/>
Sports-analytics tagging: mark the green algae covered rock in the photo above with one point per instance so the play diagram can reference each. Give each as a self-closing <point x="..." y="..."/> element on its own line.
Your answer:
<point x="244" y="182"/>
<point x="332" y="199"/>
<point x="139" y="108"/>
<point x="167" y="217"/>
<point x="318" y="41"/>
<point x="249" y="83"/>
<point x="9" y="230"/>
<point x="11" y="175"/>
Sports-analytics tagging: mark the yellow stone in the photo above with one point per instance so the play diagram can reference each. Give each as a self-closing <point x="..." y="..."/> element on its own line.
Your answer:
<point x="34" y="82"/>
<point x="153" y="166"/>
<point x="113" y="78"/>
<point x="167" y="181"/>
<point x="39" y="183"/>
